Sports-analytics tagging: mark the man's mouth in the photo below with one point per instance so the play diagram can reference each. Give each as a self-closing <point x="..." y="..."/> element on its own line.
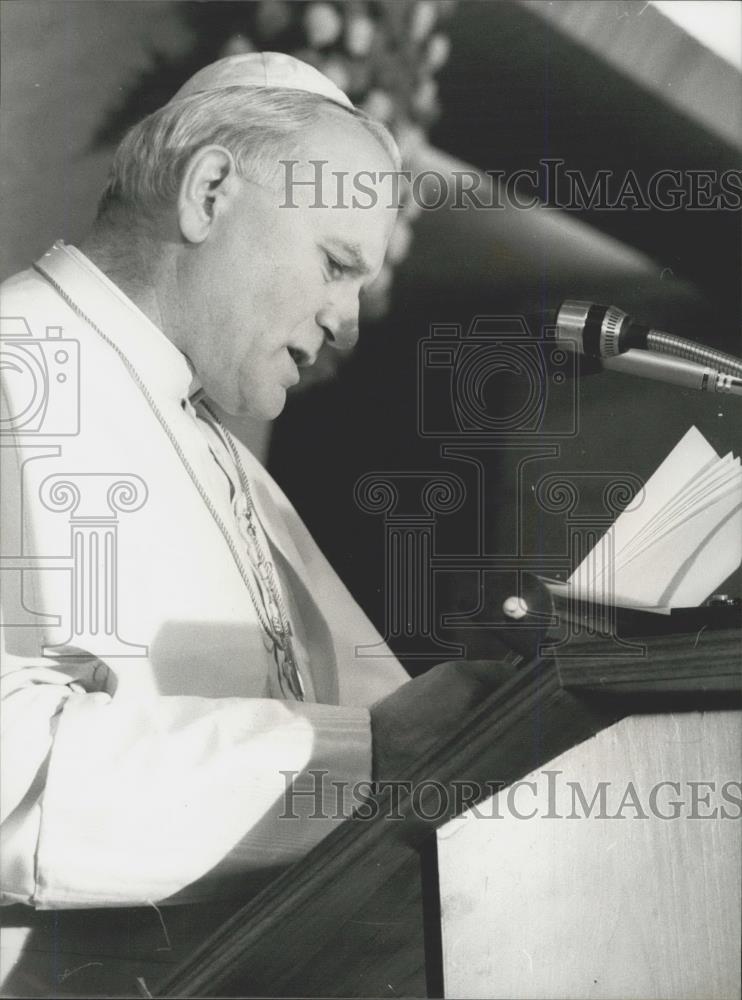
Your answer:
<point x="300" y="357"/>
<point x="294" y="373"/>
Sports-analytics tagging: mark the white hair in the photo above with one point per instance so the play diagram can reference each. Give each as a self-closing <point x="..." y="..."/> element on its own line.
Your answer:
<point x="259" y="125"/>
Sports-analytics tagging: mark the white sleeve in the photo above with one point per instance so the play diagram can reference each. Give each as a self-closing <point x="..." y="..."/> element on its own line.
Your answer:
<point x="111" y="801"/>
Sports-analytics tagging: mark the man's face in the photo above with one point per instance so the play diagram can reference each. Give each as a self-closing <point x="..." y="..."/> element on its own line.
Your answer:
<point x="270" y="284"/>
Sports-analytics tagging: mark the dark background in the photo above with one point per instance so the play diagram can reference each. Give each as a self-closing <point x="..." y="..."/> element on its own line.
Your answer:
<point x="516" y="90"/>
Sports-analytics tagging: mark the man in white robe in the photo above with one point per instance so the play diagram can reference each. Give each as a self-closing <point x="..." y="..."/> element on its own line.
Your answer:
<point x="177" y="651"/>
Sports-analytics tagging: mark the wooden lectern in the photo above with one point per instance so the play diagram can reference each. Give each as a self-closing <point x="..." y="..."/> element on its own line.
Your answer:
<point x="547" y="905"/>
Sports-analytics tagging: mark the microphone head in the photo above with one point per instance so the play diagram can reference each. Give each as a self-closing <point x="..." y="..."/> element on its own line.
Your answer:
<point x="595" y="330"/>
<point x="570" y="323"/>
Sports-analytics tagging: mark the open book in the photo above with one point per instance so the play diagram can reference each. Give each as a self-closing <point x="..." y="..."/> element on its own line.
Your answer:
<point x="678" y="539"/>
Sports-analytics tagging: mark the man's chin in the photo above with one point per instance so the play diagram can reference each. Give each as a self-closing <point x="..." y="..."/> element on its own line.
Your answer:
<point x="265" y="409"/>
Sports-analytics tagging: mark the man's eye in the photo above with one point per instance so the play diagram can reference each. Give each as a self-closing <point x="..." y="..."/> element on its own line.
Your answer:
<point x="335" y="268"/>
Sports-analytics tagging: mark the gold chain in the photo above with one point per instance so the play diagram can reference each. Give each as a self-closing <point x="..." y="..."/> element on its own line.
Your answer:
<point x="277" y="624"/>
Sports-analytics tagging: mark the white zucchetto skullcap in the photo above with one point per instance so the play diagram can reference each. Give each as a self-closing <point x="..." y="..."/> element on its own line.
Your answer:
<point x="262" y="69"/>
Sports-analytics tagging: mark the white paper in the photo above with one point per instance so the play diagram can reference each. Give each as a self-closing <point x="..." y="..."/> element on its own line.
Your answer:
<point x="678" y="539"/>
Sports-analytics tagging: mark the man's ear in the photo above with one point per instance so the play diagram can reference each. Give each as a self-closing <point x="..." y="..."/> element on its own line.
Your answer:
<point x="210" y="177"/>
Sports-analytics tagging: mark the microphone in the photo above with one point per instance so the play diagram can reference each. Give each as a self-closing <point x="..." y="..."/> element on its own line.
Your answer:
<point x="607" y="332"/>
<point x="676" y="371"/>
<point x="599" y="331"/>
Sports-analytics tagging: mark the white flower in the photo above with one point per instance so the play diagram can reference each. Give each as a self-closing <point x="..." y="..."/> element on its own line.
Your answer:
<point x="438" y="51"/>
<point x="379" y="105"/>
<point x="323" y="24"/>
<point x="423" y="19"/>
<point x="359" y="35"/>
<point x="424" y="99"/>
<point x="237" y="46"/>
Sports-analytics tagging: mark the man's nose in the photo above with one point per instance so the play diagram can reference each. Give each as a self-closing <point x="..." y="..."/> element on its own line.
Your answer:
<point x="340" y="326"/>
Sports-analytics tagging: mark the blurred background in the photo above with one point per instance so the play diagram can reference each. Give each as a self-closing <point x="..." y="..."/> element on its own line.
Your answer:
<point x="627" y="87"/>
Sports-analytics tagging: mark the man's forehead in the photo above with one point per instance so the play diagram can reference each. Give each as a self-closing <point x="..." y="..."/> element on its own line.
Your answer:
<point x="342" y="167"/>
<point x="345" y="143"/>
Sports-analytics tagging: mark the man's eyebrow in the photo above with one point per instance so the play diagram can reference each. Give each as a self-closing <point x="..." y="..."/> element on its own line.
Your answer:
<point x="354" y="255"/>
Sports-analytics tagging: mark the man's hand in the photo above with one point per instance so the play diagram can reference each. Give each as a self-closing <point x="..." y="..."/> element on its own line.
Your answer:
<point x="420" y="714"/>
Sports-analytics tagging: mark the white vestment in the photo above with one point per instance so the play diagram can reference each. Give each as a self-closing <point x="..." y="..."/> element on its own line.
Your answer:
<point x="145" y="741"/>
